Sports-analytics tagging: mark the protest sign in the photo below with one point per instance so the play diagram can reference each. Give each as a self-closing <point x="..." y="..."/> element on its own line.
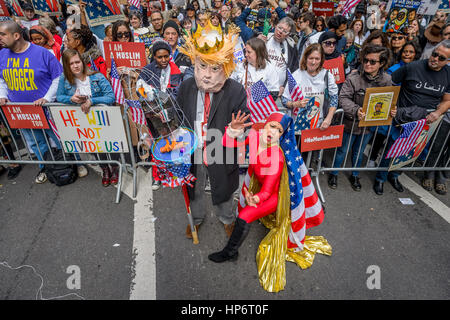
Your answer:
<point x="316" y="139"/>
<point x="336" y="67"/>
<point x="429" y="7"/>
<point x="51" y="7"/>
<point x="101" y="130"/>
<point x="148" y="38"/>
<point x="3" y="9"/>
<point x="419" y="146"/>
<point x="323" y="9"/>
<point x="377" y="106"/>
<point x="444" y="6"/>
<point x="126" y="54"/>
<point x="400" y="13"/>
<point x="103" y="11"/>
<point x="25" y="117"/>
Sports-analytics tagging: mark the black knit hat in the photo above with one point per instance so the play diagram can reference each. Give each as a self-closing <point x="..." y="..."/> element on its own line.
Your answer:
<point x="160" y="44"/>
<point x="171" y="24"/>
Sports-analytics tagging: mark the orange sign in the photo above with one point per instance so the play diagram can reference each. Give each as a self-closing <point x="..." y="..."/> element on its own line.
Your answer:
<point x="126" y="54"/>
<point x="25" y="117"/>
<point x="336" y="67"/>
<point x="316" y="139"/>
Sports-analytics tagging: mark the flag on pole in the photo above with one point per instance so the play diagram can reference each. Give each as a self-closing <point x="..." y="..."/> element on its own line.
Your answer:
<point x="294" y="90"/>
<point x="135" y="3"/>
<point x="348" y="5"/>
<point x="115" y="83"/>
<point x="260" y="102"/>
<point x="405" y="142"/>
<point x="137" y="113"/>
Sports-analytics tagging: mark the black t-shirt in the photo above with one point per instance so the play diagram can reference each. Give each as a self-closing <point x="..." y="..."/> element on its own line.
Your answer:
<point x="421" y="86"/>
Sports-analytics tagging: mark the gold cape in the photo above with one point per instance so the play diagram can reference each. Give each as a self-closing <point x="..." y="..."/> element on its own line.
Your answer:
<point x="272" y="251"/>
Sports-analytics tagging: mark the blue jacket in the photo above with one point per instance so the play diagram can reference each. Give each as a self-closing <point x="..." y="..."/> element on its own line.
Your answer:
<point x="101" y="90"/>
<point x="246" y="32"/>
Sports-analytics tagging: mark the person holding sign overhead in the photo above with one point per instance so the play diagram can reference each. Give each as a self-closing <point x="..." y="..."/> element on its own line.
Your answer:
<point x="374" y="60"/>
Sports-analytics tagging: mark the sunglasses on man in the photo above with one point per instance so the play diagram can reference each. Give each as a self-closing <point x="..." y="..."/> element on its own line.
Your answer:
<point x="434" y="54"/>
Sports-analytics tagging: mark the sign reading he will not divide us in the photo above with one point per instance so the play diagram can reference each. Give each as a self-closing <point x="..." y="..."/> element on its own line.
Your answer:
<point x="101" y="130"/>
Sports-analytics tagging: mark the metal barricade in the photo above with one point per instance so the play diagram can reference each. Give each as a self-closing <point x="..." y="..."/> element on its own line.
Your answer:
<point x="419" y="164"/>
<point x="23" y="155"/>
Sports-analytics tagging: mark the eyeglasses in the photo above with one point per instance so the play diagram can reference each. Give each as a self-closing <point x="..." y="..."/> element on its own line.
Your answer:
<point x="284" y="31"/>
<point x="123" y="35"/>
<point x="437" y="55"/>
<point x="330" y="43"/>
<point x="398" y="38"/>
<point x="372" y="62"/>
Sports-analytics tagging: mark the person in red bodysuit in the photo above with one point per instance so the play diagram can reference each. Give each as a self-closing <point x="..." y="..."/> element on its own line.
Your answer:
<point x="266" y="164"/>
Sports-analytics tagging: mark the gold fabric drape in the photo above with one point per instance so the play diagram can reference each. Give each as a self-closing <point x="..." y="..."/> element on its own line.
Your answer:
<point x="272" y="251"/>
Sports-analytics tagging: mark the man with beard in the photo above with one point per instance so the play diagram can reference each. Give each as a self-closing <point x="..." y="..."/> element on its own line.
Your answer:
<point x="208" y="101"/>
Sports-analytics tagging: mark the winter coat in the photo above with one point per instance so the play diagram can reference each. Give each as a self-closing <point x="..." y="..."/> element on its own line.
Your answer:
<point x="352" y="94"/>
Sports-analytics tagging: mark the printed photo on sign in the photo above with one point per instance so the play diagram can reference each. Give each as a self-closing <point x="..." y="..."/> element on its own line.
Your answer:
<point x="400" y="14"/>
<point x="101" y="130"/>
<point x="379" y="106"/>
<point x="419" y="146"/>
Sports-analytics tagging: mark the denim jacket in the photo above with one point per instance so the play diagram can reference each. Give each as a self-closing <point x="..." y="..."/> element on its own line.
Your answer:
<point x="101" y="90"/>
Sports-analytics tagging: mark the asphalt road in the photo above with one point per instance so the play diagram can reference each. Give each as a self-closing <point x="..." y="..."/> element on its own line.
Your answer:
<point x="54" y="228"/>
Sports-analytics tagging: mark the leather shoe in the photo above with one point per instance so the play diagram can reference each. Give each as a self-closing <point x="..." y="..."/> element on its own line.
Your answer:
<point x="378" y="187"/>
<point x="356" y="185"/>
<point x="396" y="184"/>
<point x="332" y="181"/>
<point x="189" y="232"/>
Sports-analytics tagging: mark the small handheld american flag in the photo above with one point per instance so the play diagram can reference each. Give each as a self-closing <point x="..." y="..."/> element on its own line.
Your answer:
<point x="93" y="66"/>
<point x="405" y="142"/>
<point x="294" y="91"/>
<point x="115" y="83"/>
<point x="260" y="102"/>
<point x="348" y="5"/>
<point x="137" y="113"/>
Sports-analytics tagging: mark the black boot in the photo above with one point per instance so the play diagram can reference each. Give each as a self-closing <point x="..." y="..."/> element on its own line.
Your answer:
<point x="230" y="252"/>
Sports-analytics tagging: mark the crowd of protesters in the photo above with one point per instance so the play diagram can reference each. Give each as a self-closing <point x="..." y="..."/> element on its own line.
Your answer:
<point x="65" y="62"/>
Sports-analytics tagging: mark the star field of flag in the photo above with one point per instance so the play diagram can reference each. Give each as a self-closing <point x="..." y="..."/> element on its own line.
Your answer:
<point x="137" y="113"/>
<point x="260" y="102"/>
<point x="45" y="5"/>
<point x="405" y="142"/>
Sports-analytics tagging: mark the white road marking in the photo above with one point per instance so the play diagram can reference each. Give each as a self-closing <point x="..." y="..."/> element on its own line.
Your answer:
<point x="430" y="200"/>
<point x="143" y="282"/>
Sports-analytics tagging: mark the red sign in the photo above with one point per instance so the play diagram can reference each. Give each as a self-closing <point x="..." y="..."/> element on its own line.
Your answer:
<point x="316" y="139"/>
<point x="126" y="54"/>
<point x="323" y="9"/>
<point x="25" y="117"/>
<point x="336" y="67"/>
<point x="3" y="10"/>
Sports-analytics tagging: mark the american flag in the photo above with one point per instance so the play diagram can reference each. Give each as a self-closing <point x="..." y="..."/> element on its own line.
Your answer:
<point x="405" y="142"/>
<point x="294" y="90"/>
<point x="136" y="111"/>
<point x="260" y="102"/>
<point x="50" y="6"/>
<point x="348" y="5"/>
<point x="306" y="119"/>
<point x="115" y="82"/>
<point x="135" y="3"/>
<point x="93" y="66"/>
<point x="17" y="8"/>
<point x="51" y="122"/>
<point x="306" y="207"/>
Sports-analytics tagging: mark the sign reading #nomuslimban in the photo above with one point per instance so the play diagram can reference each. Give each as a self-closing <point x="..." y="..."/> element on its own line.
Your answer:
<point x="101" y="130"/>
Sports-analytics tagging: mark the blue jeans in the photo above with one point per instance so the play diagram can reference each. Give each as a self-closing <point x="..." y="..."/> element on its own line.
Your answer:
<point x="41" y="147"/>
<point x="383" y="175"/>
<point x="355" y="141"/>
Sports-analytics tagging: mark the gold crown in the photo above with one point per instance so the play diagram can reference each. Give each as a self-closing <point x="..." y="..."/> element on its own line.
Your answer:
<point x="209" y="39"/>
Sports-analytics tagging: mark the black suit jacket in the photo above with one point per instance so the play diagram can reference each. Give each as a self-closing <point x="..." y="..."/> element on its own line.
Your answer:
<point x="224" y="176"/>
